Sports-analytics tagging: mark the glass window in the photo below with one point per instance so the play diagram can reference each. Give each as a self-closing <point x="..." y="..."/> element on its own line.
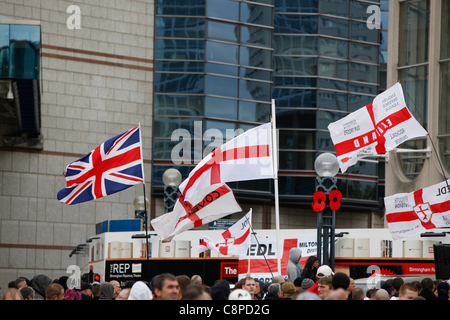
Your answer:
<point x="163" y="127"/>
<point x="179" y="66"/>
<point x="292" y="186"/>
<point x="415" y="86"/>
<point x="363" y="72"/>
<point x="296" y="160"/>
<point x="361" y="190"/>
<point x="162" y="150"/>
<point x="411" y="163"/>
<point x="179" y="49"/>
<point x="294" y="82"/>
<point x="324" y="142"/>
<point x="222" y="69"/>
<point x="324" y="118"/>
<point x="179" y="27"/>
<point x="257" y="36"/>
<point x="256" y="14"/>
<point x="332" y="100"/>
<point x="254" y="90"/>
<point x="178" y="82"/>
<point x="220" y="108"/>
<point x="334" y="7"/>
<point x="4" y="50"/>
<point x="221" y="86"/>
<point x="333" y="48"/>
<point x="254" y="57"/>
<point x="296" y="118"/>
<point x="294" y="23"/>
<point x="295" y="98"/>
<point x="334" y="27"/>
<point x="295" y="66"/>
<point x="362" y="52"/>
<point x="223" y="31"/>
<point x="254" y="111"/>
<point x="333" y="68"/>
<point x="357" y="101"/>
<point x="358" y="10"/>
<point x="296" y="6"/>
<point x="414" y="31"/>
<point x="332" y="84"/>
<point x="295" y="45"/>
<point x="364" y="168"/>
<point x="255" y="74"/>
<point x="295" y="139"/>
<point x="181" y="105"/>
<point x="181" y="8"/>
<point x="222" y="52"/>
<point x="359" y="31"/>
<point x="25" y="46"/>
<point x="223" y="9"/>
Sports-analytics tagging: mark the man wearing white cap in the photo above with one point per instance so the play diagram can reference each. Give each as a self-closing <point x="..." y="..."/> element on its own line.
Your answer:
<point x="323" y="271"/>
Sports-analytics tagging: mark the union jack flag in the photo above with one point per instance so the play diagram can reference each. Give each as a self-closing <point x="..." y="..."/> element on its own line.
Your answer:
<point x="112" y="167"/>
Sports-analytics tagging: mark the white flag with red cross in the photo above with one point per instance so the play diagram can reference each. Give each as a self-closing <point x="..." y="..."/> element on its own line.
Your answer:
<point x="233" y="241"/>
<point x="374" y="129"/>
<point x="246" y="157"/>
<point x="418" y="211"/>
<point x="208" y="204"/>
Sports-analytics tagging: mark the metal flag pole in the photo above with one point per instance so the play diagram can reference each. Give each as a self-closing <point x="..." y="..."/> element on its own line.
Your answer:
<point x="275" y="182"/>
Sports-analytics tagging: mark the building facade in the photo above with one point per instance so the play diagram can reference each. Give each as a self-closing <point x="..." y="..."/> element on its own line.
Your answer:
<point x="418" y="58"/>
<point x="206" y="66"/>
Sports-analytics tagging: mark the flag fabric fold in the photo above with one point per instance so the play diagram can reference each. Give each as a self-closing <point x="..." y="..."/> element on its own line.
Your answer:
<point x="206" y="205"/>
<point x="418" y="211"/>
<point x="115" y="165"/>
<point x="234" y="241"/>
<point x="374" y="129"/>
<point x="246" y="157"/>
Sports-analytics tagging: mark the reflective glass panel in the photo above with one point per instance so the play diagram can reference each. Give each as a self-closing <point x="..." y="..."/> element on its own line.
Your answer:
<point x="179" y="49"/>
<point x="333" y="68"/>
<point x="223" y="9"/>
<point x="220" y="108"/>
<point x="25" y="47"/>
<point x="289" y="185"/>
<point x="360" y="32"/>
<point x="333" y="48"/>
<point x="181" y="105"/>
<point x="295" y="98"/>
<point x="178" y="82"/>
<point x="223" y="31"/>
<point x="334" y="7"/>
<point x="254" y="111"/>
<point x="295" y="139"/>
<point x="296" y="160"/>
<point x="294" y="23"/>
<point x="181" y="8"/>
<point x="414" y="32"/>
<point x="334" y="27"/>
<point x="362" y="52"/>
<point x="254" y="57"/>
<point x="363" y="72"/>
<point x="221" y="86"/>
<point x="179" y="27"/>
<point x="256" y="14"/>
<point x="332" y="100"/>
<point x="222" y="52"/>
<point x="295" y="45"/>
<point x="295" y="66"/>
<point x="256" y="36"/>
<point x="163" y="127"/>
<point x="222" y="69"/>
<point x="4" y="50"/>
<point x="296" y="6"/>
<point x="254" y="90"/>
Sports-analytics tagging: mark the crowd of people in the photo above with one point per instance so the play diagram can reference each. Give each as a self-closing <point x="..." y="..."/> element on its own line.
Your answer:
<point x="316" y="283"/>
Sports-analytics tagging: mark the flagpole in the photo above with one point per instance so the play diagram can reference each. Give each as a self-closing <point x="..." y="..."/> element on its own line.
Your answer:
<point x="145" y="208"/>
<point x="275" y="182"/>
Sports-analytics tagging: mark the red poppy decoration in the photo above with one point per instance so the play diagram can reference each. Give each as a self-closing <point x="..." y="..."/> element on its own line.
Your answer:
<point x="335" y="199"/>
<point x="319" y="201"/>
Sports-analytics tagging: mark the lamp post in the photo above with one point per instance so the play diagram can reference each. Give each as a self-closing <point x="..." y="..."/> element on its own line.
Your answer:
<point x="326" y="166"/>
<point x="171" y="180"/>
<point x="140" y="212"/>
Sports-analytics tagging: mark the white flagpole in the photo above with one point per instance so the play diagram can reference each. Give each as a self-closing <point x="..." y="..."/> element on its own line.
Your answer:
<point x="275" y="182"/>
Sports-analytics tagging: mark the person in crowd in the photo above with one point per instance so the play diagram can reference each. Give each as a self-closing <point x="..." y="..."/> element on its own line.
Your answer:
<point x="287" y="290"/>
<point x="324" y="287"/>
<point x="183" y="281"/>
<point x="195" y="291"/>
<point x="27" y="293"/>
<point x="166" y="287"/>
<point x="427" y="289"/>
<point x="273" y="292"/>
<point x="54" y="291"/>
<point x="357" y="294"/>
<point x="40" y="282"/>
<point x="310" y="269"/>
<point x="124" y="294"/>
<point x="140" y="291"/>
<point x="294" y="267"/>
<point x="86" y="291"/>
<point x="106" y="291"/>
<point x="249" y="284"/>
<point x="12" y="294"/>
<point x="259" y="289"/>
<point x="117" y="288"/>
<point x="407" y="291"/>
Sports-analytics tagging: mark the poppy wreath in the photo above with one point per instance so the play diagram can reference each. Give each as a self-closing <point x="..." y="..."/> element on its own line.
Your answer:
<point x="320" y="197"/>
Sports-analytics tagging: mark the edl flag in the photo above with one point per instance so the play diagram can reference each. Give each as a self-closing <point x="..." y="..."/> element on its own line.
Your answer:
<point x="208" y="204"/>
<point x="418" y="211"/>
<point x="234" y="241"/>
<point x="374" y="129"/>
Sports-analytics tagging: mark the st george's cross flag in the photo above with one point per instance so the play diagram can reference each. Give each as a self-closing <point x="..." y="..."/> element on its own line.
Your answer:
<point x="246" y="157"/>
<point x="374" y="129"/>
<point x="207" y="205"/>
<point x="418" y="211"/>
<point x="233" y="241"/>
<point x="112" y="167"/>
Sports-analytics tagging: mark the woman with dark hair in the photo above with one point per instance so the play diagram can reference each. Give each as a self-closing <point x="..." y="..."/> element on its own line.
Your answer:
<point x="310" y="269"/>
